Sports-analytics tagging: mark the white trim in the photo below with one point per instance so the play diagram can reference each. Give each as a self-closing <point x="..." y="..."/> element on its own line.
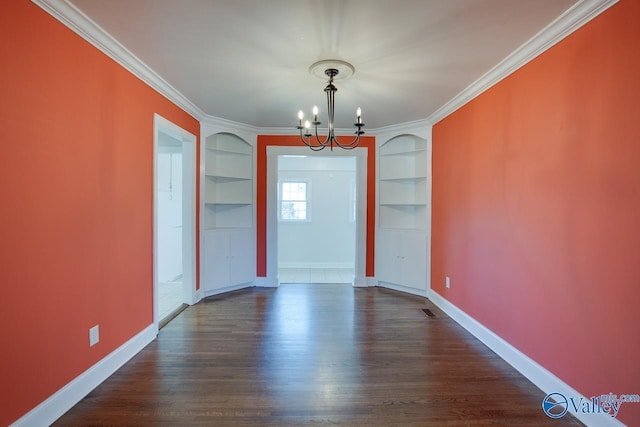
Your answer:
<point x="419" y="128"/>
<point x="228" y="289"/>
<point x="315" y="265"/>
<point x="211" y="125"/>
<point x="294" y="131"/>
<point x="402" y="288"/>
<point x="361" y="282"/>
<point x="73" y="392"/>
<point x="267" y="282"/>
<point x="575" y="17"/>
<point x="534" y="372"/>
<point x="188" y="143"/>
<point x="85" y="27"/>
<point x="273" y="151"/>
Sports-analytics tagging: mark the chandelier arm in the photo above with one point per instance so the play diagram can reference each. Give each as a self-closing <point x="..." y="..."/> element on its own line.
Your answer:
<point x="324" y="143"/>
<point x="349" y="146"/>
<point x="308" y="140"/>
<point x="308" y="143"/>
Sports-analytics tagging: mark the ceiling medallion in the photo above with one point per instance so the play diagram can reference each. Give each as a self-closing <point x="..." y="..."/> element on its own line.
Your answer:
<point x="336" y="70"/>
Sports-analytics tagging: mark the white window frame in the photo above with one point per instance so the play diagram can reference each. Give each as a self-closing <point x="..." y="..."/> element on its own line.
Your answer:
<point x="307" y="183"/>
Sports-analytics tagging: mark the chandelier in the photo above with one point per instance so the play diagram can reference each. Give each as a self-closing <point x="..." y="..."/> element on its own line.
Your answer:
<point x="332" y="68"/>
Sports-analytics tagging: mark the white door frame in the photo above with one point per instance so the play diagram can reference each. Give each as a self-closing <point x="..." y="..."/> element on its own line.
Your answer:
<point x="360" y="154"/>
<point x="188" y="141"/>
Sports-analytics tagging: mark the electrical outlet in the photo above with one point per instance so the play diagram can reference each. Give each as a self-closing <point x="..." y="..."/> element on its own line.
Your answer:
<point x="447" y="282"/>
<point x="94" y="335"/>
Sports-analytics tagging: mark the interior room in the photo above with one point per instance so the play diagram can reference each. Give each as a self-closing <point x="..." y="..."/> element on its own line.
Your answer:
<point x="481" y="155"/>
<point x="316" y="219"/>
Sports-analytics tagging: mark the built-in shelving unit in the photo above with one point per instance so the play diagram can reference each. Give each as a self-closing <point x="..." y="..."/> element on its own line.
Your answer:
<point x="228" y="187"/>
<point x="228" y="211"/>
<point x="403" y="214"/>
<point x="403" y="168"/>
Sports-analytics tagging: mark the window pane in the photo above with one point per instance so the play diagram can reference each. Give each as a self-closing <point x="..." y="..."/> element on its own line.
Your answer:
<point x="293" y="200"/>
<point x="294" y="191"/>
<point x="294" y="210"/>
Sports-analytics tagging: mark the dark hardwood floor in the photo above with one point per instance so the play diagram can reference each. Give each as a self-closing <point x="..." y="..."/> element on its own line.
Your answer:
<point x="314" y="355"/>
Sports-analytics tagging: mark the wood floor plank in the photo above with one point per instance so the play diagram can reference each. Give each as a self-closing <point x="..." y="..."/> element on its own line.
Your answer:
<point x="314" y="355"/>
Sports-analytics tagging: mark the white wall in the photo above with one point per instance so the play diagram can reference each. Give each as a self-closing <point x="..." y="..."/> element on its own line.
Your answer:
<point x="169" y="208"/>
<point x="328" y="240"/>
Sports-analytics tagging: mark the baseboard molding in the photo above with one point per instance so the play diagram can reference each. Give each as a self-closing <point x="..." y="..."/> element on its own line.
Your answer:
<point x="315" y="265"/>
<point x="198" y="296"/>
<point x="211" y="292"/>
<point x="266" y="282"/>
<point x="361" y="282"/>
<point x="401" y="288"/>
<point x="533" y="371"/>
<point x="64" y="399"/>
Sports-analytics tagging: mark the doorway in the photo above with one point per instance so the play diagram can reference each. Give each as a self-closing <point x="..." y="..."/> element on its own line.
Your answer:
<point x="174" y="220"/>
<point x="362" y="160"/>
<point x="316" y="202"/>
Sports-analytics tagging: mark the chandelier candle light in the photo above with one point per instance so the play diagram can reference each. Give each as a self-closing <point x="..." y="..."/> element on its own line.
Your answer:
<point x="332" y="68"/>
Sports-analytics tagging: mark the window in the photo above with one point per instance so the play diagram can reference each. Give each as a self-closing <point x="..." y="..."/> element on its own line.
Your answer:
<point x="293" y="204"/>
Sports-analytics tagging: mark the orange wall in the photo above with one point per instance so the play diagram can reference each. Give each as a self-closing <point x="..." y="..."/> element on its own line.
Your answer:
<point x="76" y="182"/>
<point x="261" y="202"/>
<point x="536" y="208"/>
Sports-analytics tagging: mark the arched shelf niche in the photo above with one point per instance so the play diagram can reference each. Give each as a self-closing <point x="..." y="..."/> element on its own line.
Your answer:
<point x="404" y="214"/>
<point x="228" y="258"/>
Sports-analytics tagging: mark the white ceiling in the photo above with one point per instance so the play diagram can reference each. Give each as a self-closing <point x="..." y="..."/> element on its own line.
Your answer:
<point x="248" y="60"/>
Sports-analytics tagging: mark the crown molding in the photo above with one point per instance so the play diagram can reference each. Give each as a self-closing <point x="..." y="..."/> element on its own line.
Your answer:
<point x="86" y="28"/>
<point x="225" y="125"/>
<point x="210" y="125"/>
<point x="575" y="17"/>
<point x="578" y="15"/>
<point x="420" y="128"/>
<point x="281" y="131"/>
<point x="294" y="131"/>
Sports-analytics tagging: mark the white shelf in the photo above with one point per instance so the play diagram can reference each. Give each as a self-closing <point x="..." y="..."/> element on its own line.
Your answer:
<point x="229" y="151"/>
<point x="403" y="212"/>
<point x="228" y="215"/>
<point x="405" y="178"/>
<point x="227" y="143"/>
<point x="409" y="152"/>
<point x="228" y="186"/>
<point x="403" y="216"/>
<point x="228" y="164"/>
<point x="228" y="190"/>
<point x="402" y="183"/>
<point x="227" y="178"/>
<point x="405" y="145"/>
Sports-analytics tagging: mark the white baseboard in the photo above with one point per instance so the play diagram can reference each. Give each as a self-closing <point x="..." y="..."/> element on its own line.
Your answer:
<point x="315" y="265"/>
<point x="534" y="372"/>
<point x="64" y="399"/>
<point x="199" y="295"/>
<point x="360" y="282"/>
<point x="210" y="292"/>
<point x="401" y="288"/>
<point x="267" y="282"/>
